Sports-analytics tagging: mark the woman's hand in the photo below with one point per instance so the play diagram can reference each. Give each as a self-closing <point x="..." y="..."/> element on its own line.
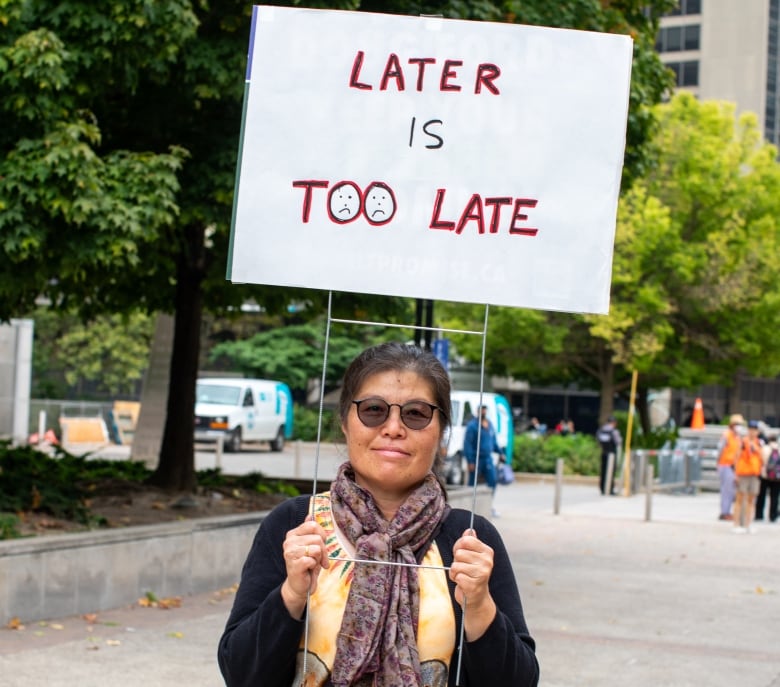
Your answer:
<point x="304" y="556"/>
<point x="472" y="565"/>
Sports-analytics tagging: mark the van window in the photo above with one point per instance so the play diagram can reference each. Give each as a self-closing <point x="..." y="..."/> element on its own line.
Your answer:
<point x="248" y="400"/>
<point x="467" y="414"/>
<point x="218" y="394"/>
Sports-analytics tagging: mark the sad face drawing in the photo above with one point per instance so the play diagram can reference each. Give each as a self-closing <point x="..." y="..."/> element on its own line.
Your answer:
<point x="379" y="203"/>
<point x="344" y="202"/>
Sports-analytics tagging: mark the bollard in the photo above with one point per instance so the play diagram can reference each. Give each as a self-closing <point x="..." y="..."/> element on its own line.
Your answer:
<point x="297" y="470"/>
<point x="41" y="426"/>
<point x="610" y="473"/>
<point x="648" y="493"/>
<point x="218" y="451"/>
<point x="558" y="486"/>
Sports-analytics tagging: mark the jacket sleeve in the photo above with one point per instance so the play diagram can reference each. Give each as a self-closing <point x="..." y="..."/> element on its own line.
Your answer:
<point x="506" y="652"/>
<point x="260" y="642"/>
<point x="470" y="442"/>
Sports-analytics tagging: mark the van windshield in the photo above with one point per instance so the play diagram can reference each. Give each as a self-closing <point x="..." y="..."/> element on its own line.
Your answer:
<point x="219" y="395"/>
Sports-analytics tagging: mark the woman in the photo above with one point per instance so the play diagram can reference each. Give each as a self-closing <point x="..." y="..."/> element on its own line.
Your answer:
<point x="392" y="625"/>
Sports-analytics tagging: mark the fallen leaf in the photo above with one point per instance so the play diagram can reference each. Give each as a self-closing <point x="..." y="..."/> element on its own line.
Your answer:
<point x="15" y="624"/>
<point x="113" y="642"/>
<point x="759" y="589"/>
<point x="171" y="602"/>
<point x="90" y="617"/>
<point x="57" y="626"/>
<point x="176" y="635"/>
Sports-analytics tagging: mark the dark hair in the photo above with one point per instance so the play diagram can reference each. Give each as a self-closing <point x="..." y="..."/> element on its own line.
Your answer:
<point x="390" y="357"/>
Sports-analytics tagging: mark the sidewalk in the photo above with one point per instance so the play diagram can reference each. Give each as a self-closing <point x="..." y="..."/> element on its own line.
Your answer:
<point x="611" y="599"/>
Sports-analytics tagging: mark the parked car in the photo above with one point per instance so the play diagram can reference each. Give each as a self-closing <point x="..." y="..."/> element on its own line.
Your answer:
<point x="241" y="410"/>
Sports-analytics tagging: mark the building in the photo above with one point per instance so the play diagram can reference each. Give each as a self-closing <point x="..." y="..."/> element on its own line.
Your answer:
<point x="727" y="50"/>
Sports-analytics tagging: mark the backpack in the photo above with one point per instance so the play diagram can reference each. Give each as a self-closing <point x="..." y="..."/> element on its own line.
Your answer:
<point x="773" y="465"/>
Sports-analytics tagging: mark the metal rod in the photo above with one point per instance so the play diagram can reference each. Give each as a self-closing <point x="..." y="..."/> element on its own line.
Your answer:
<point x="395" y="563"/>
<point x="406" y="326"/>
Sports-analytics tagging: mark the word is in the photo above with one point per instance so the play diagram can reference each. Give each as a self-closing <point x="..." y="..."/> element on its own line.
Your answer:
<point x="485" y="76"/>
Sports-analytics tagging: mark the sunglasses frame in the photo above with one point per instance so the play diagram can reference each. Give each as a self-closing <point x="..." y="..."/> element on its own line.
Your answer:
<point x="400" y="407"/>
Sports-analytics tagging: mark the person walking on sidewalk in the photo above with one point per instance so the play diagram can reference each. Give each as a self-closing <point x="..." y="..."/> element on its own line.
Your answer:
<point x="747" y="470"/>
<point x="729" y="447"/>
<point x="610" y="440"/>
<point x="770" y="481"/>
<point x="482" y="465"/>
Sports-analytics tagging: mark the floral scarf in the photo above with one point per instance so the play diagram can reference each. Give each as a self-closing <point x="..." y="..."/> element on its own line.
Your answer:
<point x="377" y="642"/>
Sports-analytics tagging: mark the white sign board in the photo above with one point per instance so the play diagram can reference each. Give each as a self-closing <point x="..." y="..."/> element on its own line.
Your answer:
<point x="431" y="158"/>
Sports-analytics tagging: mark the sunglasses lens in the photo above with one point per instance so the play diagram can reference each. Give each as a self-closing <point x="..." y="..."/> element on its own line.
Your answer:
<point x="373" y="412"/>
<point x="416" y="415"/>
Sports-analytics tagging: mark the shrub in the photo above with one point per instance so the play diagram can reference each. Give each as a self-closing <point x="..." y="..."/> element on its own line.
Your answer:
<point x="580" y="453"/>
<point x="305" y="422"/>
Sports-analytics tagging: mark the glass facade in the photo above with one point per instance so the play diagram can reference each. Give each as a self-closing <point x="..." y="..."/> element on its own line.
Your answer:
<point x="678" y="38"/>
<point x="773" y="56"/>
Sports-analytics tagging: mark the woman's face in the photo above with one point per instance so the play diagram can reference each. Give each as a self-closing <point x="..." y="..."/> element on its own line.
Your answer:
<point x="391" y="460"/>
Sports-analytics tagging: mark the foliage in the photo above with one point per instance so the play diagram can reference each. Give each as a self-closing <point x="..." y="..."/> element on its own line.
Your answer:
<point x="9" y="526"/>
<point x="111" y="352"/>
<point x="214" y="478"/>
<point x="721" y="183"/>
<point x="32" y="481"/>
<point x="306" y="423"/>
<point x="293" y="355"/>
<point x="580" y="453"/>
<point x="61" y="484"/>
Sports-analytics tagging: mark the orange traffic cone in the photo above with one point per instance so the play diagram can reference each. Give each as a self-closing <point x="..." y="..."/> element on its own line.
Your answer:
<point x="697" y="421"/>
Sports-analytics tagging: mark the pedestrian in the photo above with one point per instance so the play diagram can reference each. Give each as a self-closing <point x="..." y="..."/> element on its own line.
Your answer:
<point x="729" y="447"/>
<point x="747" y="471"/>
<point x="378" y="578"/>
<point x="610" y="440"/>
<point x="770" y="481"/>
<point x="480" y="431"/>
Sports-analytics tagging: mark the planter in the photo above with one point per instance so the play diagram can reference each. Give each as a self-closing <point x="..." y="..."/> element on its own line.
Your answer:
<point x="71" y="574"/>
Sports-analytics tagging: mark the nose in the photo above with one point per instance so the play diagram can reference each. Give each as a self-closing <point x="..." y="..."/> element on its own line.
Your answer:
<point x="393" y="424"/>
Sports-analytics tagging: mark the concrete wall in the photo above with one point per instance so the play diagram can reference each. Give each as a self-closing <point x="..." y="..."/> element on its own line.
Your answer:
<point x="70" y="574"/>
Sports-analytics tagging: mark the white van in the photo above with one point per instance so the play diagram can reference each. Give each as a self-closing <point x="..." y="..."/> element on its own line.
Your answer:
<point x="243" y="410"/>
<point x="464" y="407"/>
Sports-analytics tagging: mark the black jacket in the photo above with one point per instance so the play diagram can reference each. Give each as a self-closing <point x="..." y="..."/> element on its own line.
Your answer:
<point x="261" y="639"/>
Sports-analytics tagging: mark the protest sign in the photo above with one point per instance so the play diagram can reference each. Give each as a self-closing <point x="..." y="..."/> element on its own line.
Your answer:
<point x="430" y="158"/>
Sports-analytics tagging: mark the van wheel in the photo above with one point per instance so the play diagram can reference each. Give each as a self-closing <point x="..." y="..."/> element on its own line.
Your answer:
<point x="456" y="474"/>
<point x="277" y="443"/>
<point x="233" y="442"/>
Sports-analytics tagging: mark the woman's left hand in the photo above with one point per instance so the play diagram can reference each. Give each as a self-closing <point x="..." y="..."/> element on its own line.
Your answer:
<point x="472" y="565"/>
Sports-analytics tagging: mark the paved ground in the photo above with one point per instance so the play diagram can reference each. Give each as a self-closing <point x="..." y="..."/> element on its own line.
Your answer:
<point x="611" y="598"/>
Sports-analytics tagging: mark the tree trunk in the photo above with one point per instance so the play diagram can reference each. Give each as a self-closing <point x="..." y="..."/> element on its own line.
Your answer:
<point x="607" y="384"/>
<point x="643" y="409"/>
<point x="176" y="468"/>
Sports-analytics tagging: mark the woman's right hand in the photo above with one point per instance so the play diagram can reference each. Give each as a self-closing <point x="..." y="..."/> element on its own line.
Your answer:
<point x="304" y="556"/>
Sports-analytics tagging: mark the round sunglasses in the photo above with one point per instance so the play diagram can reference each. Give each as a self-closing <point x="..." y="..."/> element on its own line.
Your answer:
<point x="414" y="414"/>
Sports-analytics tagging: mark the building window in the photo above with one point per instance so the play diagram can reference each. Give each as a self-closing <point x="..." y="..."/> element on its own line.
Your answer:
<point x="686" y="7"/>
<point x="677" y="38"/>
<point x="685" y="73"/>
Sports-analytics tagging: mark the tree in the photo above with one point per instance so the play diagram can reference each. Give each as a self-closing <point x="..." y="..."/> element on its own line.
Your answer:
<point x="721" y="183"/>
<point x="111" y="352"/>
<point x="119" y="147"/>
<point x="294" y="355"/>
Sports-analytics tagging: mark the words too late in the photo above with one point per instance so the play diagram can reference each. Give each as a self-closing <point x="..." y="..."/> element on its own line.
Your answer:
<point x="346" y="201"/>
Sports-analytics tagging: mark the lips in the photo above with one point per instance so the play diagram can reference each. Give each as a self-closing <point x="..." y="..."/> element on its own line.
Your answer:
<point x="392" y="452"/>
